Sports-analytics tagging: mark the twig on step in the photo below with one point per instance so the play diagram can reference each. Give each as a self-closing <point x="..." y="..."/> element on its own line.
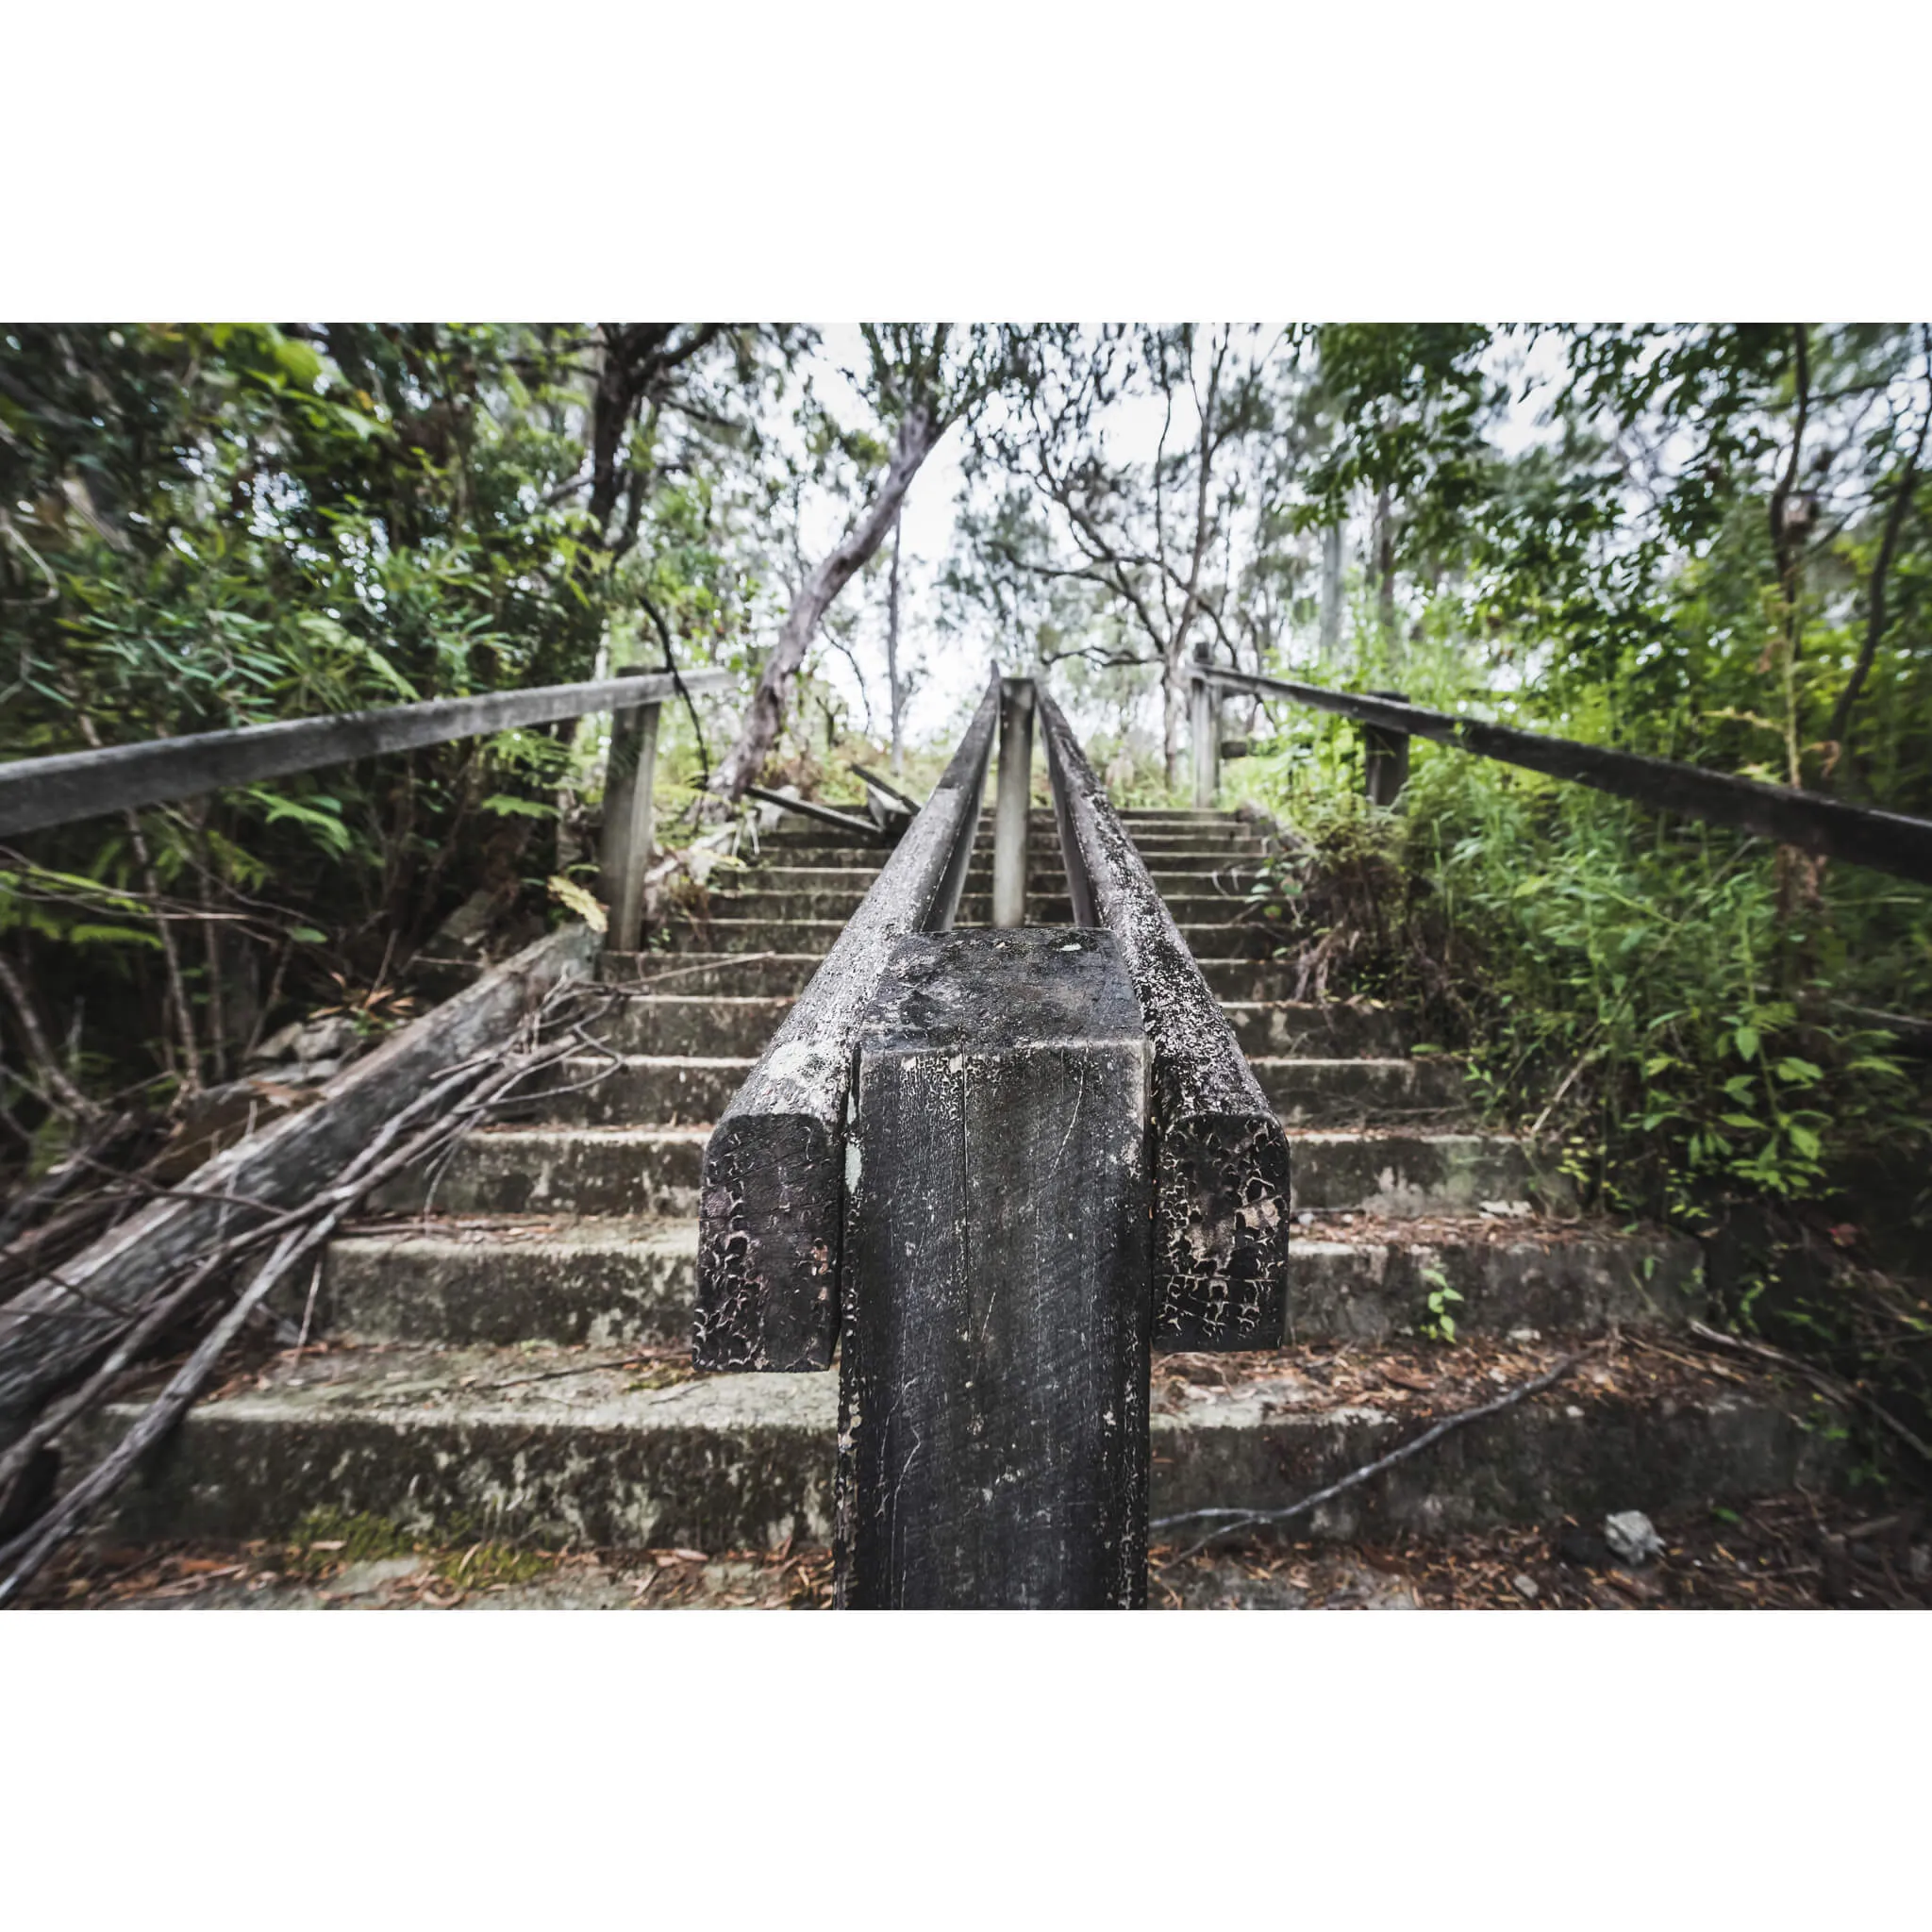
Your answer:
<point x="1244" y="1519"/>
<point x="1822" y="1380"/>
<point x="628" y="990"/>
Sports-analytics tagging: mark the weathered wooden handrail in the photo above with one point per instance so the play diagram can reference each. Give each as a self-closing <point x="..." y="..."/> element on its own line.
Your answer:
<point x="38" y="792"/>
<point x="771" y="1199"/>
<point x="1221" y="1164"/>
<point x="1886" y="842"/>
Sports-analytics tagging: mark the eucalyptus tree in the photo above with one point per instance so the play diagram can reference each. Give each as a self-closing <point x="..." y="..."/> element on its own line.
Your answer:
<point x="1142" y="469"/>
<point x="919" y="381"/>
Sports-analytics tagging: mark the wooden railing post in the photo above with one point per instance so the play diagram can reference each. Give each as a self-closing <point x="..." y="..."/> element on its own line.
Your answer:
<point x="1203" y="729"/>
<point x="629" y="818"/>
<point x="1013" y="801"/>
<point x="996" y="1281"/>
<point x="1385" y="757"/>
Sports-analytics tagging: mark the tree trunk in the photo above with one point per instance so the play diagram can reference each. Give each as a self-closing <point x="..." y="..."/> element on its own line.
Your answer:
<point x="1174" y="712"/>
<point x="918" y="433"/>
<point x="1383" y="551"/>
<point x="1331" y="593"/>
<point x="895" y="689"/>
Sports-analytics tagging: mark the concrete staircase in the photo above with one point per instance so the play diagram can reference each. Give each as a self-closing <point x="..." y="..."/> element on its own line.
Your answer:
<point x="511" y="1360"/>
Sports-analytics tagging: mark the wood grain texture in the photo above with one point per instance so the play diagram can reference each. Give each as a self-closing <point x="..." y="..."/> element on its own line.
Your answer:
<point x="1886" y="842"/>
<point x="629" y="819"/>
<point x="52" y="1329"/>
<point x="1013" y="810"/>
<point x="121" y="777"/>
<point x="1385" y="757"/>
<point x="770" y="1202"/>
<point x="993" y="1384"/>
<point x="1221" y="1179"/>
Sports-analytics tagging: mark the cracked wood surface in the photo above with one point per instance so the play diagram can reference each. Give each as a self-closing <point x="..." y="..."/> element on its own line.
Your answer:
<point x="770" y="1201"/>
<point x="995" y="1355"/>
<point x="1222" y="1167"/>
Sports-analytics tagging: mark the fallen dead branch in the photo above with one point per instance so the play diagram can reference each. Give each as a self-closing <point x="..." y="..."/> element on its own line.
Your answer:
<point x="1820" y="1379"/>
<point x="1238" y="1519"/>
<point x="427" y="1129"/>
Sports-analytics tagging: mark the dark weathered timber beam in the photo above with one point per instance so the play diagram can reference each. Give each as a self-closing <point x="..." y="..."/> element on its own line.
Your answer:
<point x="1886" y="842"/>
<point x="1220" y="1170"/>
<point x="809" y="809"/>
<point x="993" y="1357"/>
<point x="770" y="1202"/>
<point x="36" y="792"/>
<point x="52" y="1330"/>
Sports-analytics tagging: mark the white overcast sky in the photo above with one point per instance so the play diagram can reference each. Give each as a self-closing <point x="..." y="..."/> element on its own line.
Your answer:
<point x="954" y="668"/>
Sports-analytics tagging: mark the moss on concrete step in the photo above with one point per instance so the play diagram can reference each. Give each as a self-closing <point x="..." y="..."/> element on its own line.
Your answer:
<point x="1396" y="1172"/>
<point x="600" y="1282"/>
<point x="558" y="1282"/>
<point x="1354" y="1284"/>
<point x="1314" y="1093"/>
<point x="501" y="1443"/>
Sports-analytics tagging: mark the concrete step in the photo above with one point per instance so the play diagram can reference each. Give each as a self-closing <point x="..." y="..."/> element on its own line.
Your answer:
<point x="498" y="1443"/>
<point x="1155" y="847"/>
<point x="659" y="1089"/>
<point x="1201" y="872"/>
<point x="724" y="935"/>
<point x="1248" y="981"/>
<point x="1392" y="1172"/>
<point x="797" y="834"/>
<point x="788" y="973"/>
<point x="1355" y="1286"/>
<point x="845" y="856"/>
<point x="1402" y="1172"/>
<point x="739" y="1025"/>
<point x="556" y="1281"/>
<point x="1178" y="814"/>
<point x="1338" y="1092"/>
<point x="1044" y="907"/>
<point x="1332" y="1029"/>
<point x="693" y="1023"/>
<point x="778" y="974"/>
<point x="602" y="1282"/>
<point x="803" y="878"/>
<point x="1225" y="939"/>
<point x="669" y="1088"/>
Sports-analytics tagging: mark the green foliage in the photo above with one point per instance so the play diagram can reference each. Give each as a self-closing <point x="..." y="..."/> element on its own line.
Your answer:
<point x="1678" y="1010"/>
<point x="1439" y="1324"/>
<point x="204" y="527"/>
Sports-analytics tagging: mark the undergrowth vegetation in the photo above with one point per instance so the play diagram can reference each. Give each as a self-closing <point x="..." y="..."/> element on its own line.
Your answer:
<point x="1658" y="997"/>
